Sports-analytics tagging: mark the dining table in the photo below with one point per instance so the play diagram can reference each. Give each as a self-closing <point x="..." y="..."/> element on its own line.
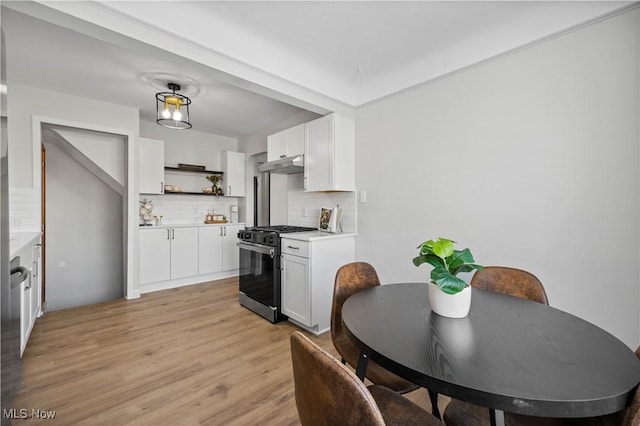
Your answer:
<point x="509" y="354"/>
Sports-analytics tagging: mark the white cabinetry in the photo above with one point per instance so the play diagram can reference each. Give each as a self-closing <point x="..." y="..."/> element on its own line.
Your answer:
<point x="230" y="250"/>
<point x="30" y="303"/>
<point x="233" y="167"/>
<point x="217" y="248"/>
<point x="168" y="253"/>
<point x="287" y="143"/>
<point x="308" y="273"/>
<point x="329" y="154"/>
<point x="151" y="166"/>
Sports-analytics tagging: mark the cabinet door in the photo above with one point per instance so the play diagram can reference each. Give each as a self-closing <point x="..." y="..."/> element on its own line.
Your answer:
<point x="209" y="249"/>
<point x="294" y="141"/>
<point x="35" y="281"/>
<point x="155" y="255"/>
<point x="151" y="166"/>
<point x="296" y="301"/>
<point x="25" y="312"/>
<point x="233" y="167"/>
<point x="318" y="160"/>
<point x="184" y="252"/>
<point x="230" y="251"/>
<point x="276" y="146"/>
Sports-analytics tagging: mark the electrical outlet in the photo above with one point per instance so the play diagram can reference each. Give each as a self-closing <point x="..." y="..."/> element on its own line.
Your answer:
<point x="305" y="212"/>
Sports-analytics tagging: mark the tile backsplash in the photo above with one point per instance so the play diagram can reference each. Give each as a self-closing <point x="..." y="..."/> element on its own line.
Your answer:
<point x="301" y="202"/>
<point x="181" y="209"/>
<point x="24" y="209"/>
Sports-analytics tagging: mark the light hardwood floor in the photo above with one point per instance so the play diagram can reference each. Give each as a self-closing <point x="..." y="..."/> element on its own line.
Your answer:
<point x="184" y="356"/>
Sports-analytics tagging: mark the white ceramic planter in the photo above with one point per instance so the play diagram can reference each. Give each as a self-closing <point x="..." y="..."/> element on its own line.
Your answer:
<point x="450" y="305"/>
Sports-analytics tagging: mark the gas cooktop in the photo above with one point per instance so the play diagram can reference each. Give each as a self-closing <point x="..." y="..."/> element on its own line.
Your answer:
<point x="281" y="228"/>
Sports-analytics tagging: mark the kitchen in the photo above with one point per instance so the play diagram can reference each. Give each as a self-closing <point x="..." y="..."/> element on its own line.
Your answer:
<point x="552" y="190"/>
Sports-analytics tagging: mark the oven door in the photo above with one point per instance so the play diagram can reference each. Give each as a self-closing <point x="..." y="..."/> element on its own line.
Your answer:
<point x="260" y="280"/>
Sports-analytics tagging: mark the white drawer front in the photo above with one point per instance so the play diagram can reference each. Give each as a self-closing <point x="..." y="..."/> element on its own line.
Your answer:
<point x="295" y="247"/>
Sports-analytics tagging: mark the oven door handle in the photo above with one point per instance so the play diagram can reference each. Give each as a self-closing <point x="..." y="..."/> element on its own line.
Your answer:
<point x="257" y="248"/>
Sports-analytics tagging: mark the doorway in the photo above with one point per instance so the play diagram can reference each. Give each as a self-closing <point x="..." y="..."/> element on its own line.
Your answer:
<point x="83" y="191"/>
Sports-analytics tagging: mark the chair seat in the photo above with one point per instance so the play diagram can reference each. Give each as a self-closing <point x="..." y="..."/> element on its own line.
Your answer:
<point x="375" y="372"/>
<point x="460" y="413"/>
<point x="397" y="410"/>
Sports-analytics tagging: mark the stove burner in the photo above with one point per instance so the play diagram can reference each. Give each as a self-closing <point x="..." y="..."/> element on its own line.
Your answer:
<point x="282" y="228"/>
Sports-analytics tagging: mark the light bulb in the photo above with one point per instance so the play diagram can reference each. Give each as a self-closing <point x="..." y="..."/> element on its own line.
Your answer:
<point x="166" y="113"/>
<point x="177" y="115"/>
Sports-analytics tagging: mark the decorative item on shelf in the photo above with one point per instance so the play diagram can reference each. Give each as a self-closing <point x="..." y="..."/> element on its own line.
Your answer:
<point x="212" y="217"/>
<point x="194" y="167"/>
<point x="215" y="187"/>
<point x="157" y="220"/>
<point x="449" y="295"/>
<point x="172" y="109"/>
<point x="146" y="212"/>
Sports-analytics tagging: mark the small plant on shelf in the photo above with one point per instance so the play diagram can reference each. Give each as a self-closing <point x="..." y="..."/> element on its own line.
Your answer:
<point x="215" y="181"/>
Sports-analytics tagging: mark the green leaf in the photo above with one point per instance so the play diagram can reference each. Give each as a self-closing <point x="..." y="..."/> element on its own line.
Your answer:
<point x="443" y="248"/>
<point x="447" y="282"/>
<point x="468" y="267"/>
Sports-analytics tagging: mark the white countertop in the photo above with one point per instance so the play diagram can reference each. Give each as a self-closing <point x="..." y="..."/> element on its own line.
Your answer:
<point x="19" y="240"/>
<point x="185" y="225"/>
<point x="316" y="235"/>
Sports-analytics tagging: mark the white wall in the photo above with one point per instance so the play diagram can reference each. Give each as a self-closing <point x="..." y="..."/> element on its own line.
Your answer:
<point x="530" y="160"/>
<point x="84" y="235"/>
<point x="189" y="146"/>
<point x="26" y="102"/>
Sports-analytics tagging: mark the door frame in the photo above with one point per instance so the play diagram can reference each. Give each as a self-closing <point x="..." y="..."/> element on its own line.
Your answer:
<point x="130" y="288"/>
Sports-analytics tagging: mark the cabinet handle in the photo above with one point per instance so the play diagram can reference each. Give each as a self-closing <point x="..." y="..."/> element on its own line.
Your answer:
<point x="168" y="233"/>
<point x="162" y="187"/>
<point x="173" y="234"/>
<point x="221" y="231"/>
<point x="294" y="248"/>
<point x="229" y="190"/>
<point x="225" y="231"/>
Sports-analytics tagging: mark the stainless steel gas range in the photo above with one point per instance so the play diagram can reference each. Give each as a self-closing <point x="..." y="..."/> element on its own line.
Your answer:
<point x="260" y="269"/>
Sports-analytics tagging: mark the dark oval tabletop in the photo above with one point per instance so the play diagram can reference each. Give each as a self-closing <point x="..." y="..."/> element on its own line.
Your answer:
<point x="509" y="354"/>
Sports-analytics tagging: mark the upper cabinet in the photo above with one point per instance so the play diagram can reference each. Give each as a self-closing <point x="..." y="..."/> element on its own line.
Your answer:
<point x="329" y="154"/>
<point x="151" y="166"/>
<point x="233" y="167"/>
<point x="287" y="143"/>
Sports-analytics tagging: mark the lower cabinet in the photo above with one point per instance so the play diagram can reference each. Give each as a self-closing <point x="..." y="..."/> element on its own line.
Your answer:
<point x="308" y="272"/>
<point x="217" y="249"/>
<point x="168" y="253"/>
<point x="187" y="252"/>
<point x="296" y="301"/>
<point x="29" y="290"/>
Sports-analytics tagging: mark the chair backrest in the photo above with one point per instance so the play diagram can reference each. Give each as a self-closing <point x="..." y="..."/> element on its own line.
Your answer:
<point x="327" y="392"/>
<point x="632" y="415"/>
<point x="511" y="281"/>
<point x="350" y="278"/>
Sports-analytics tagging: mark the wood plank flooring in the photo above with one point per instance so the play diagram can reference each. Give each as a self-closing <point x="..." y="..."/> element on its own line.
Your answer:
<point x="186" y="356"/>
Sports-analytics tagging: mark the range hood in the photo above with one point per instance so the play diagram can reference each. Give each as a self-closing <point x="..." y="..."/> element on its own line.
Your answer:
<point x="284" y="166"/>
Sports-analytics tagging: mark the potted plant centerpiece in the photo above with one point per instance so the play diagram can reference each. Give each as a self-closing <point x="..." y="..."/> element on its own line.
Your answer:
<point x="449" y="295"/>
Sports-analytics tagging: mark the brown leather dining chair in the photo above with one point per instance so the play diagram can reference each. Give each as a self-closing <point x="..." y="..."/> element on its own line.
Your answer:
<point x="328" y="393"/>
<point x="350" y="279"/>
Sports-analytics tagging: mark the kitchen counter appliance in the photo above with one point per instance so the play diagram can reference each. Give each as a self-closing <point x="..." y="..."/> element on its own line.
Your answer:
<point x="260" y="269"/>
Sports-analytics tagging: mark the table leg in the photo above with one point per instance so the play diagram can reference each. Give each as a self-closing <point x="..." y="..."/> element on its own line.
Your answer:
<point x="496" y="417"/>
<point x="361" y="369"/>
<point x="433" y="396"/>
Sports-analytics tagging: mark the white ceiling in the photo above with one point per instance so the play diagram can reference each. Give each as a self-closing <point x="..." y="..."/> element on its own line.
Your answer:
<point x="252" y="64"/>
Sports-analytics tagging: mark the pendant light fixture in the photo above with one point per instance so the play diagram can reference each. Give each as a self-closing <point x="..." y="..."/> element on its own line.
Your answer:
<point x="172" y="109"/>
